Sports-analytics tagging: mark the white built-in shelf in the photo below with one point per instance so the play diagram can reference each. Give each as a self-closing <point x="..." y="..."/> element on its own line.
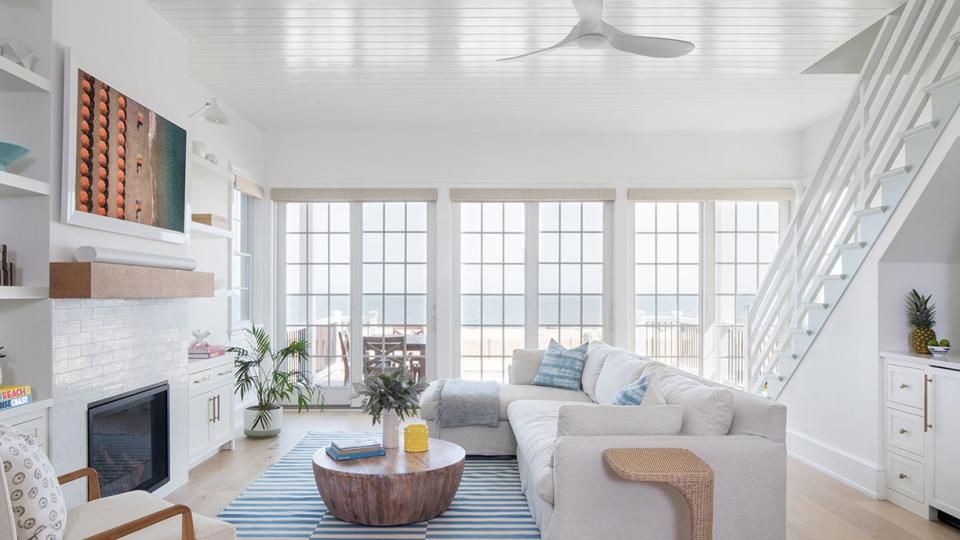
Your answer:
<point x="15" y="78"/>
<point x="14" y="185"/>
<point x="204" y="170"/>
<point x="29" y="408"/>
<point x="23" y="293"/>
<point x="199" y="230"/>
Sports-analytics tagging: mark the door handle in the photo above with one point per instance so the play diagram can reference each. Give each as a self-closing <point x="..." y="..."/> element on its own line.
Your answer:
<point x="927" y="381"/>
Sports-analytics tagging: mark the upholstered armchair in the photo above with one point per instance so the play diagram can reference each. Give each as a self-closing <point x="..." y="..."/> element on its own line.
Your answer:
<point x="136" y="515"/>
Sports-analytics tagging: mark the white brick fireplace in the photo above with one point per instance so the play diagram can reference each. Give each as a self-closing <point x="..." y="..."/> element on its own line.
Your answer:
<point x="102" y="348"/>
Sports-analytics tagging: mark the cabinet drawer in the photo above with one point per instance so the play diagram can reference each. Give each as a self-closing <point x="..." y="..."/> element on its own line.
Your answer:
<point x="200" y="381"/>
<point x="222" y="373"/>
<point x="905" y="386"/>
<point x="905" y="476"/>
<point x="905" y="431"/>
<point x="35" y="427"/>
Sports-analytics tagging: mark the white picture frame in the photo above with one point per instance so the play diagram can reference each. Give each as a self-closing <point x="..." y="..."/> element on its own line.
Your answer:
<point x="69" y="214"/>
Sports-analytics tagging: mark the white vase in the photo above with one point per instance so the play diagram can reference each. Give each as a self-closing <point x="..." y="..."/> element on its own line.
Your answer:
<point x="274" y="424"/>
<point x="391" y="429"/>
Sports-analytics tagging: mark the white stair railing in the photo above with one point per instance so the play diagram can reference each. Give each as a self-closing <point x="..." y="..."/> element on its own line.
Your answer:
<point x="903" y="100"/>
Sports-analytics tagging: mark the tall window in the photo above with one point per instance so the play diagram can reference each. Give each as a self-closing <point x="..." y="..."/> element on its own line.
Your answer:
<point x="394" y="286"/>
<point x="317" y="258"/>
<point x="529" y="272"/>
<point x="667" y="282"/>
<point x="570" y="284"/>
<point x="747" y="237"/>
<point x="241" y="281"/>
<point x="492" y="287"/>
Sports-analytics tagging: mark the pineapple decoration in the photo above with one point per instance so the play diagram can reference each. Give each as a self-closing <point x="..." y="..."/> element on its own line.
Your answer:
<point x="921" y="315"/>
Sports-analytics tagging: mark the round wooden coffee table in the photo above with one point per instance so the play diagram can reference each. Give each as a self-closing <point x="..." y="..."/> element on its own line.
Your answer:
<point x="396" y="489"/>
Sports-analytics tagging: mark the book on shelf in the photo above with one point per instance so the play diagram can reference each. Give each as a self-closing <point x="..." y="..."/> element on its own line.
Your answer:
<point x="334" y="454"/>
<point x="202" y="356"/>
<point x="15" y="396"/>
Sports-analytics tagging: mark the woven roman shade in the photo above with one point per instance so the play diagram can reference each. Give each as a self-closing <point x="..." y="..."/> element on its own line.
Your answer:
<point x="247" y="186"/>
<point x="531" y="195"/>
<point x="710" y="194"/>
<point x="352" y="194"/>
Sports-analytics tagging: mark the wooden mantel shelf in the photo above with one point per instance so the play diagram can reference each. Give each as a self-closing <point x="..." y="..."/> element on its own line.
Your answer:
<point x="102" y="280"/>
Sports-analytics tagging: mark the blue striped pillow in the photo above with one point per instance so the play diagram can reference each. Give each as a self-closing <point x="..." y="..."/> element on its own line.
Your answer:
<point x="632" y="394"/>
<point x="561" y="368"/>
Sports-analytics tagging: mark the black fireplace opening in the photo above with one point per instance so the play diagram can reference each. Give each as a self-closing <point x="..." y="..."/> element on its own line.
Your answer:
<point x="128" y="441"/>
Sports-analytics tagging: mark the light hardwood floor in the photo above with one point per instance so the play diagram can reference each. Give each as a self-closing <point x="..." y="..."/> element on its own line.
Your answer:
<point x="818" y="507"/>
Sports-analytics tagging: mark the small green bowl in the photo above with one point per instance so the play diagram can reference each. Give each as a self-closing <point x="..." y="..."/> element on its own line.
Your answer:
<point x="10" y="152"/>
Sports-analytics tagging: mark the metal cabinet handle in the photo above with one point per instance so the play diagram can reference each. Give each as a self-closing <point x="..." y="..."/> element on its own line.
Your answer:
<point x="216" y="408"/>
<point x="904" y="431"/>
<point x="927" y="381"/>
<point x="904" y="385"/>
<point x="210" y="413"/>
<point x="902" y="476"/>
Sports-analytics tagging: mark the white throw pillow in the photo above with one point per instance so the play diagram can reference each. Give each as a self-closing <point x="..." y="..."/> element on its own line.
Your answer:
<point x="619" y="369"/>
<point x="35" y="494"/>
<point x="619" y="420"/>
<point x="596" y="356"/>
<point x="707" y="410"/>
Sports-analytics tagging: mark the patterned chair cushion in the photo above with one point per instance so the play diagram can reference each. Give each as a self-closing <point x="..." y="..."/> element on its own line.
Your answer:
<point x="35" y="495"/>
<point x="561" y="368"/>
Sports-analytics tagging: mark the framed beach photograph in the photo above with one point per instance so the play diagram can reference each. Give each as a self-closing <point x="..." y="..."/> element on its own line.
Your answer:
<point x="124" y="164"/>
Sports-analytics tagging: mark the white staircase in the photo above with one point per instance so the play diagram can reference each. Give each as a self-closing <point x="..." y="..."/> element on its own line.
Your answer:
<point x="907" y="94"/>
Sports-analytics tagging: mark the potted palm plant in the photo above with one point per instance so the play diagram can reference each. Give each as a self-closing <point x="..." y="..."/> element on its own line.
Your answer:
<point x="390" y="396"/>
<point x="266" y="373"/>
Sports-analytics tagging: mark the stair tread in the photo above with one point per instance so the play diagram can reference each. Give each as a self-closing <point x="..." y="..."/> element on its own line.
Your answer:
<point x="871" y="210"/>
<point x="806" y="331"/>
<point x="922" y="128"/>
<point x="944" y="82"/>
<point x="893" y="173"/>
<point x="839" y="277"/>
<point x="851" y="245"/>
<point x="816" y="305"/>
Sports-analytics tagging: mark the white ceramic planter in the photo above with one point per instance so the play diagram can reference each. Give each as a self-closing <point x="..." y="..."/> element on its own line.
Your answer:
<point x="391" y="429"/>
<point x="272" y="429"/>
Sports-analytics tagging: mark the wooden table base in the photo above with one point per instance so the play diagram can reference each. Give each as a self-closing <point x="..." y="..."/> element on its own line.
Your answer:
<point x="397" y="489"/>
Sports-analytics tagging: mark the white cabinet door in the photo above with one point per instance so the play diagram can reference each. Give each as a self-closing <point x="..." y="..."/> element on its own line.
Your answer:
<point x="201" y="413"/>
<point x="221" y="426"/>
<point x="944" y="436"/>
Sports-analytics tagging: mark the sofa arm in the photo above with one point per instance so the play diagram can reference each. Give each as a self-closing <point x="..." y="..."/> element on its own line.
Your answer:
<point x="590" y="501"/>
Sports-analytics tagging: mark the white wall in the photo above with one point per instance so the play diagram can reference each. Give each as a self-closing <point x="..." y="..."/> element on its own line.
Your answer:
<point x="814" y="140"/>
<point x="532" y="157"/>
<point x="896" y="280"/>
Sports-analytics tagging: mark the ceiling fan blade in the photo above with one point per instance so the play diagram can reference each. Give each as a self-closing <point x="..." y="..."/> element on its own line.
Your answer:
<point x="572" y="36"/>
<point x="590" y="12"/>
<point x="646" y="45"/>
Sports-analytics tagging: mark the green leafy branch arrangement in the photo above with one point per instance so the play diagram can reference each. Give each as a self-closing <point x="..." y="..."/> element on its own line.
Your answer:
<point x="393" y="389"/>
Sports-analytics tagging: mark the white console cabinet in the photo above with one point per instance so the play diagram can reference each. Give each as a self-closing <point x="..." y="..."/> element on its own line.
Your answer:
<point x="922" y="433"/>
<point x="211" y="408"/>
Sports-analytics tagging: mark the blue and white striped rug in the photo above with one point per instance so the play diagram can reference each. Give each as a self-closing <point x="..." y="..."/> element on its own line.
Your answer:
<point x="283" y="503"/>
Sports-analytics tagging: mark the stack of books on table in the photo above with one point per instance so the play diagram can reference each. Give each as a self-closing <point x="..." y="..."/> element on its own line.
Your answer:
<point x="343" y="450"/>
<point x="15" y="396"/>
<point x="207" y="351"/>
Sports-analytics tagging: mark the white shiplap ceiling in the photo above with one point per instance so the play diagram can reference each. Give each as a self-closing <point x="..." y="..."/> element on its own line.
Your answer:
<point x="398" y="64"/>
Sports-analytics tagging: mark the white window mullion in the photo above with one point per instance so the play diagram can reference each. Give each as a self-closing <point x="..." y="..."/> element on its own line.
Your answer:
<point x="356" y="293"/>
<point x="532" y="275"/>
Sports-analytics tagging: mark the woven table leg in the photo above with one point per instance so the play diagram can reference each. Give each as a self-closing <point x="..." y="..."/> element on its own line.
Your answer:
<point x="699" y="496"/>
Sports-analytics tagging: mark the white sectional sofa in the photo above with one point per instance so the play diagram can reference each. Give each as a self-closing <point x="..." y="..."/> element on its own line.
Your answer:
<point x="559" y="435"/>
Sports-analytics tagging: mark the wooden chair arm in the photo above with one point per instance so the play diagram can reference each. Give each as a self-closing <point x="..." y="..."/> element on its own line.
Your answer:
<point x="93" y="481"/>
<point x="186" y="530"/>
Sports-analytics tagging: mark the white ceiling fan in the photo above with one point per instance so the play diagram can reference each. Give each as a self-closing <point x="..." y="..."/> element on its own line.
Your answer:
<point x="592" y="32"/>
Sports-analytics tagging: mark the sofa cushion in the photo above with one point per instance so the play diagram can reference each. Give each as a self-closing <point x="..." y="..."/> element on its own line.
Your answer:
<point x="103" y="514"/>
<point x="534" y="424"/>
<point x="525" y="365"/>
<point x="619" y="369"/>
<point x="707" y="410"/>
<point x="561" y="367"/>
<point x="510" y="393"/>
<point x="35" y="495"/>
<point x="596" y="356"/>
<point x="619" y="420"/>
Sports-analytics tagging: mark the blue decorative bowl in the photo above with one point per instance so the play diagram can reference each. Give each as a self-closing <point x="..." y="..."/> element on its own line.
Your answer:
<point x="10" y="152"/>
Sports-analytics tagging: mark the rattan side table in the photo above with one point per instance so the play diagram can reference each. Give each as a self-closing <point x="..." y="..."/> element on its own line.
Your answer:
<point x="676" y="467"/>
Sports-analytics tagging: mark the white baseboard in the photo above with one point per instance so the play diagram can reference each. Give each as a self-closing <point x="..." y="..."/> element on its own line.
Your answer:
<point x="861" y="475"/>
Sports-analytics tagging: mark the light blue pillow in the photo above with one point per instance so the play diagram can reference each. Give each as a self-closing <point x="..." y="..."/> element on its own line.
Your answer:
<point x="632" y="394"/>
<point x="561" y="368"/>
